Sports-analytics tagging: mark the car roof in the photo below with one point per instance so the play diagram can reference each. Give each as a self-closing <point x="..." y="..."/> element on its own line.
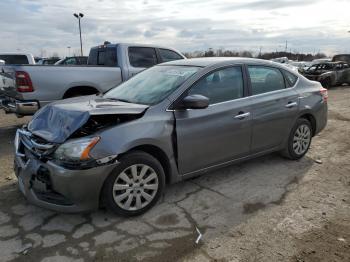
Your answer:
<point x="210" y="61"/>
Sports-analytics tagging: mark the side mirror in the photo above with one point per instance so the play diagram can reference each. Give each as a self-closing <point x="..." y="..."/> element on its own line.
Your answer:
<point x="194" y="102"/>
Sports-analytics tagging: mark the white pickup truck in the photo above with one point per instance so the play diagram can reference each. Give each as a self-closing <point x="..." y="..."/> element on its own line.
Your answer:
<point x="26" y="88"/>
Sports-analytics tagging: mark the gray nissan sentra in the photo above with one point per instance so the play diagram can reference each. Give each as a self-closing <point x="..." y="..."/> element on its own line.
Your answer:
<point x="168" y="123"/>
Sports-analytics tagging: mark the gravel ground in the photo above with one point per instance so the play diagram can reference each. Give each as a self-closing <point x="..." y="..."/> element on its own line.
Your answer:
<point x="267" y="209"/>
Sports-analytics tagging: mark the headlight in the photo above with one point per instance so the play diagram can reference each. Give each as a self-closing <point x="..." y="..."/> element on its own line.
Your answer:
<point x="76" y="150"/>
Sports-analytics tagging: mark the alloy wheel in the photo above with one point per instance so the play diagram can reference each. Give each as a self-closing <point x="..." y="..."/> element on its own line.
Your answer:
<point x="135" y="187"/>
<point x="301" y="139"/>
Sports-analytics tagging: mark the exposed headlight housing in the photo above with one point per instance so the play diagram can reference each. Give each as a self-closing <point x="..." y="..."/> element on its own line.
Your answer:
<point x="77" y="150"/>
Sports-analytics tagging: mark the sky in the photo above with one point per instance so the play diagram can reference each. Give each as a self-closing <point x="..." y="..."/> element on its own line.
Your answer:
<point x="45" y="27"/>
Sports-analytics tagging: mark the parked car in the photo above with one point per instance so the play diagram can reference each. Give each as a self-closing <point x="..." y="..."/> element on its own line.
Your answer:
<point x="29" y="88"/>
<point x="320" y="60"/>
<point x="286" y="62"/>
<point x="168" y="123"/>
<point x="329" y="74"/>
<point x="74" y="60"/>
<point x="341" y="58"/>
<point x="48" y="61"/>
<point x="17" y="58"/>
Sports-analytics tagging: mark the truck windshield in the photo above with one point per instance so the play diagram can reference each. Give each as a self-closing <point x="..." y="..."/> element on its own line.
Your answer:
<point x="152" y="85"/>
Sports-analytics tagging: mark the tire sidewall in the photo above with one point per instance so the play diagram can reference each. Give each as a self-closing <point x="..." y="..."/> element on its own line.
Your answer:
<point x="132" y="158"/>
<point x="299" y="122"/>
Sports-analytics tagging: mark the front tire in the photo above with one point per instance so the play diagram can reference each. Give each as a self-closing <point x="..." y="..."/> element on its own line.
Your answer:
<point x="135" y="185"/>
<point x="299" y="140"/>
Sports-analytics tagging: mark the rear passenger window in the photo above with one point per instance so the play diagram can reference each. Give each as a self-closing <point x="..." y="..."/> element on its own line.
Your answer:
<point x="142" y="56"/>
<point x="168" y="55"/>
<point x="265" y="79"/>
<point x="101" y="57"/>
<point x="106" y="56"/>
<point x="15" y="59"/>
<point x="220" y="86"/>
<point x="291" y="78"/>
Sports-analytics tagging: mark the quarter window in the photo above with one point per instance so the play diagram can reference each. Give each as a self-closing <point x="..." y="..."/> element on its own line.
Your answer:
<point x="220" y="86"/>
<point x="142" y="56"/>
<point x="291" y="78"/>
<point x="168" y="55"/>
<point x="265" y="79"/>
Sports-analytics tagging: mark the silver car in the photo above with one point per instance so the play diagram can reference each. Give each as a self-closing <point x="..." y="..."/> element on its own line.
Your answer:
<point x="170" y="122"/>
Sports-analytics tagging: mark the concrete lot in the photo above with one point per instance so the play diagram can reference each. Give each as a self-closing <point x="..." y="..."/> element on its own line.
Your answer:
<point x="267" y="209"/>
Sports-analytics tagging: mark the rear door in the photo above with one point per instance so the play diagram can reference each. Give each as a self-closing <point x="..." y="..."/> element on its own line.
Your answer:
<point x="343" y="73"/>
<point x="141" y="58"/>
<point x="219" y="133"/>
<point x="274" y="106"/>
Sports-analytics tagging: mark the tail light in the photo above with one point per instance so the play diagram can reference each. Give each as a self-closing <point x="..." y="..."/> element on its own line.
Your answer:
<point x="324" y="94"/>
<point x="23" y="82"/>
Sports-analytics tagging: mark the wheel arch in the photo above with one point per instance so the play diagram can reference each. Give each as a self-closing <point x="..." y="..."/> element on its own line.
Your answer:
<point x="83" y="89"/>
<point x="308" y="116"/>
<point x="157" y="153"/>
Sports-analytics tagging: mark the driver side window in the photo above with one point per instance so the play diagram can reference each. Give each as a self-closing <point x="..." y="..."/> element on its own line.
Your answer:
<point x="220" y="86"/>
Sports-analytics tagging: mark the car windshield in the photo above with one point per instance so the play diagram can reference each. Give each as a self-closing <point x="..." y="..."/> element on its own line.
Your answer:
<point x="152" y="85"/>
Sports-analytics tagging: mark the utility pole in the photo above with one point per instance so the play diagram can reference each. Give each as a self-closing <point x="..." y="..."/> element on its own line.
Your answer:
<point x="286" y="46"/>
<point x="79" y="16"/>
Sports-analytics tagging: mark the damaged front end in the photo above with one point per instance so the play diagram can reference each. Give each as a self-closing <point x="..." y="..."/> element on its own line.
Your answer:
<point x="53" y="157"/>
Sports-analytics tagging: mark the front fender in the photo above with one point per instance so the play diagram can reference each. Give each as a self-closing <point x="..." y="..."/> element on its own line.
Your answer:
<point x="123" y="137"/>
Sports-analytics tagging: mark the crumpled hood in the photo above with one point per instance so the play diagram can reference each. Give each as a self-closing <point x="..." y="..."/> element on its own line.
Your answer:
<point x="59" y="120"/>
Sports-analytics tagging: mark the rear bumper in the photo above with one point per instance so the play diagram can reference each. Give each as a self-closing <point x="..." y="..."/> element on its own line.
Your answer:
<point x="321" y="118"/>
<point x="23" y="108"/>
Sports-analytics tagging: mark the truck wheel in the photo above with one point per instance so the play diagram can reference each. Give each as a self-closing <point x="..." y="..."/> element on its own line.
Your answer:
<point x="135" y="185"/>
<point x="299" y="140"/>
<point x="326" y="83"/>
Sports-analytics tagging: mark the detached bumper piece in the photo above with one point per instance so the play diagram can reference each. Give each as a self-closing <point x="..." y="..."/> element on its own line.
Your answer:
<point x="22" y="108"/>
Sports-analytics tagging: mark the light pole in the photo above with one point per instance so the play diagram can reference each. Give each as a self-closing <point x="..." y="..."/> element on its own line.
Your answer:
<point x="68" y="50"/>
<point x="79" y="16"/>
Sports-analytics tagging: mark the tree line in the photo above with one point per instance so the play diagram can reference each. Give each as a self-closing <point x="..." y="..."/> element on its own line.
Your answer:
<point x="266" y="55"/>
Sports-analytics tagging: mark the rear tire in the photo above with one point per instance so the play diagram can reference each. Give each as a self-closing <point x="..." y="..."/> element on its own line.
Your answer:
<point x="299" y="140"/>
<point x="135" y="185"/>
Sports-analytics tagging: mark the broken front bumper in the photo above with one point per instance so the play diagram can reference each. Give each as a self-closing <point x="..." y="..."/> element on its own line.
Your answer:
<point x="51" y="186"/>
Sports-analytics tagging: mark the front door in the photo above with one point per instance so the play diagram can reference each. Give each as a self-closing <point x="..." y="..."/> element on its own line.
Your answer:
<point x="219" y="133"/>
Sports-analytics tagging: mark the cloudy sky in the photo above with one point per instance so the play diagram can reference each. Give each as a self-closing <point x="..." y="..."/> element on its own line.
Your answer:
<point x="45" y="26"/>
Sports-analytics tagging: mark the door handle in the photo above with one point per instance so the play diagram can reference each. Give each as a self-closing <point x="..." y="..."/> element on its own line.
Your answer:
<point x="291" y="104"/>
<point x="242" y="115"/>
